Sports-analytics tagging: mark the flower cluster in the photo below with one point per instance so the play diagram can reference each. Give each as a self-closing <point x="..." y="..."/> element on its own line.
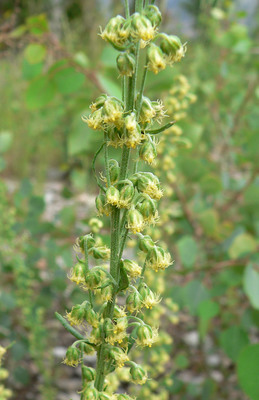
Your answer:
<point x="112" y="316"/>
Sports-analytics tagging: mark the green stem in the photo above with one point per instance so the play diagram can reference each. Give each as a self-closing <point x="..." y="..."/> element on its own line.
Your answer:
<point x="127" y="9"/>
<point x="69" y="328"/>
<point x="141" y="91"/>
<point x="106" y="160"/>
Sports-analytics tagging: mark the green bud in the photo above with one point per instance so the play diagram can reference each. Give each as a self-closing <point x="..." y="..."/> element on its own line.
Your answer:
<point x="158" y="259"/>
<point x="102" y="206"/>
<point x="108" y="327"/>
<point x="147" y="151"/>
<point x="87" y="240"/>
<point x="114" y="170"/>
<point x="138" y="375"/>
<point x="94" y="278"/>
<point x="134" y="301"/>
<point x="100" y="253"/>
<point x="72" y="356"/>
<point x="124" y="397"/>
<point x="118" y="355"/>
<point x="172" y="47"/>
<point x="99" y="102"/>
<point x="145" y="336"/>
<point x="126" y="64"/>
<point x="88" y="374"/>
<point x="87" y="348"/>
<point x="146" y="243"/>
<point x="77" y="314"/>
<point x="89" y="393"/>
<point x="77" y="274"/>
<point x="105" y="396"/>
<point x="112" y="196"/>
<point x="148" y="209"/>
<point x="156" y="59"/>
<point x="112" y="112"/>
<point x="141" y="27"/>
<point x="126" y="196"/>
<point x="91" y="316"/>
<point x="132" y="268"/>
<point x="153" y="13"/>
<point x="147" y="111"/>
<point x="135" y="221"/>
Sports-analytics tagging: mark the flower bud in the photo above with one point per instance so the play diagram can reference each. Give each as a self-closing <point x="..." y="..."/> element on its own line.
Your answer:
<point x="138" y="375"/>
<point x="77" y="314"/>
<point x="96" y="335"/>
<point x="89" y="393"/>
<point x="72" y="356"/>
<point x="77" y="274"/>
<point x="96" y="224"/>
<point x="141" y="27"/>
<point x="112" y="196"/>
<point x="126" y="195"/>
<point x="85" y="241"/>
<point x="148" y="209"/>
<point x="147" y="151"/>
<point x="172" y="47"/>
<point x="88" y="374"/>
<point x="91" y="316"/>
<point x="116" y="31"/>
<point x="95" y="120"/>
<point x="126" y="64"/>
<point x="153" y="13"/>
<point x="158" y="259"/>
<point x="156" y="59"/>
<point x="150" y="299"/>
<point x="132" y="268"/>
<point x="87" y="348"/>
<point x="105" y="396"/>
<point x="134" y="301"/>
<point x="118" y="312"/>
<point x="132" y="138"/>
<point x="100" y="253"/>
<point x="114" y="136"/>
<point x="93" y="278"/>
<point x="108" y="329"/>
<point x="148" y="183"/>
<point x="147" y="111"/>
<point x="106" y="291"/>
<point x="112" y="112"/>
<point x="102" y="206"/>
<point x="145" y="336"/>
<point x="145" y="243"/>
<point x="114" y="170"/>
<point x="118" y="355"/>
<point x="99" y="102"/>
<point x="135" y="221"/>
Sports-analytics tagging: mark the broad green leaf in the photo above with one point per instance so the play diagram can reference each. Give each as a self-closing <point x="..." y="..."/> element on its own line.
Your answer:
<point x="6" y="139"/>
<point x="241" y="245"/>
<point x="209" y="221"/>
<point x="109" y="56"/>
<point x="251" y="285"/>
<point x="81" y="138"/>
<point x="30" y="71"/>
<point x="207" y="310"/>
<point x="232" y="341"/>
<point x="37" y="24"/>
<point x="211" y="184"/>
<point x="251" y="196"/>
<point x="39" y="93"/>
<point x="195" y="294"/>
<point x="187" y="249"/>
<point x="248" y="370"/>
<point x="109" y="86"/>
<point x="35" y="53"/>
<point x="68" y="80"/>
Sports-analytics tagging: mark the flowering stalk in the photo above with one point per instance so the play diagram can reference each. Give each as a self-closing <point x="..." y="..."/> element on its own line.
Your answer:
<point x="117" y="293"/>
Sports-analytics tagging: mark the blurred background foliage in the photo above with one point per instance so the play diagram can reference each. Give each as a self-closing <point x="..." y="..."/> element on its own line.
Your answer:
<point x="52" y="66"/>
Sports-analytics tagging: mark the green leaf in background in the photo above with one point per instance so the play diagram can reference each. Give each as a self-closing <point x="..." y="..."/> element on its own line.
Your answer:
<point x="109" y="86"/>
<point x="68" y="80"/>
<point x="241" y="245"/>
<point x="30" y="71"/>
<point x="37" y="24"/>
<point x="233" y="340"/>
<point x="207" y="310"/>
<point x="188" y="250"/>
<point x="251" y="196"/>
<point x="209" y="221"/>
<point x="211" y="184"/>
<point x="39" y="93"/>
<point x="35" y="53"/>
<point x="248" y="370"/>
<point x="195" y="293"/>
<point x="81" y="138"/>
<point x="251" y="285"/>
<point x="109" y="56"/>
<point x="181" y="361"/>
<point x="81" y="59"/>
<point x="6" y="139"/>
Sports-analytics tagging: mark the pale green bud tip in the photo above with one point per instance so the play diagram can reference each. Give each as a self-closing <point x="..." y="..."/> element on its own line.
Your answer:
<point x="135" y="221"/>
<point x="153" y="13"/>
<point x="156" y="59"/>
<point x="88" y="374"/>
<point x="172" y="47"/>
